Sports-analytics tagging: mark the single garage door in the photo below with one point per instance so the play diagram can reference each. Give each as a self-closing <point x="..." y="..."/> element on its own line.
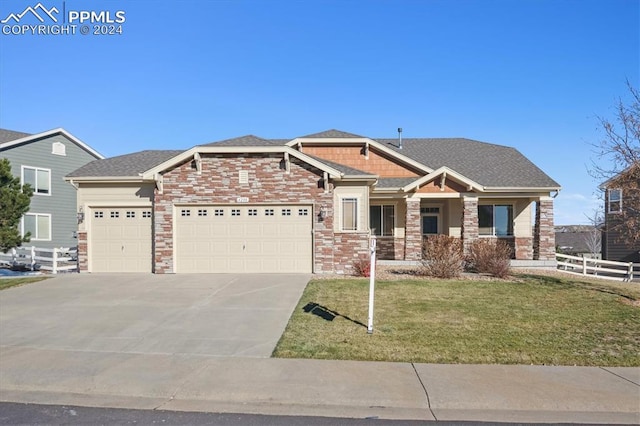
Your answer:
<point x="246" y="238"/>
<point x="120" y="239"/>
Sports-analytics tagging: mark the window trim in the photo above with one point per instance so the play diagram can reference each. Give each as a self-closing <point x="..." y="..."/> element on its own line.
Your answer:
<point x="34" y="237"/>
<point x="356" y="208"/>
<point x="619" y="201"/>
<point x="382" y="205"/>
<point x="36" y="169"/>
<point x="493" y="220"/>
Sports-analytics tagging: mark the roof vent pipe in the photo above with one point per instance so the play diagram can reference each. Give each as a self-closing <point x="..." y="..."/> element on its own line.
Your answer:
<point x="400" y="137"/>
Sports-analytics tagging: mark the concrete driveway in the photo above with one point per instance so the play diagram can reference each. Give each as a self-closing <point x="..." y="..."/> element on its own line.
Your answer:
<point x="216" y="315"/>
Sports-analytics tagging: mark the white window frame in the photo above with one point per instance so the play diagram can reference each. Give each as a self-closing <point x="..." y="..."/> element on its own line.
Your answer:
<point x="36" y="169"/>
<point x="35" y="237"/>
<point x="382" y="205"/>
<point x="341" y="200"/>
<point x="493" y="220"/>
<point x="619" y="200"/>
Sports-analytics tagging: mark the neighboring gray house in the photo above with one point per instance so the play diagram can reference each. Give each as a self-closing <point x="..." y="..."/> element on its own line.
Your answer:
<point x="43" y="160"/>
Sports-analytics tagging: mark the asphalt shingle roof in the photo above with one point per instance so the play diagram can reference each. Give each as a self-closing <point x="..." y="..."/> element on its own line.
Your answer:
<point x="10" y="135"/>
<point x="125" y="165"/>
<point x="248" y="140"/>
<point x="332" y="133"/>
<point x="394" y="182"/>
<point x="487" y="164"/>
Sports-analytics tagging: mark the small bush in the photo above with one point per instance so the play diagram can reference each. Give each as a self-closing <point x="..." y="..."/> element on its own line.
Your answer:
<point x="488" y="256"/>
<point x="442" y="256"/>
<point x="362" y="266"/>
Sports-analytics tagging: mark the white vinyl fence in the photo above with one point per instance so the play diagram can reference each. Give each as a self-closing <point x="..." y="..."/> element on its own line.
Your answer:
<point x="607" y="269"/>
<point x="63" y="259"/>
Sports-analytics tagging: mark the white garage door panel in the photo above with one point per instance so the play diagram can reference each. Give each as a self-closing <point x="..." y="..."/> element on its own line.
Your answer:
<point x="244" y="239"/>
<point x="120" y="239"/>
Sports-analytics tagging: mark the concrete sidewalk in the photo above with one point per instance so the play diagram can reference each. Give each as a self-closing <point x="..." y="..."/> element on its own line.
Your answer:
<point x="320" y="388"/>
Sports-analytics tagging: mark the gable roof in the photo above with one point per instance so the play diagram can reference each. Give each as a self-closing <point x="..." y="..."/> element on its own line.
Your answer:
<point x="128" y="165"/>
<point x="490" y="165"/>
<point x="331" y="133"/>
<point x="28" y="138"/>
<point x="480" y="165"/>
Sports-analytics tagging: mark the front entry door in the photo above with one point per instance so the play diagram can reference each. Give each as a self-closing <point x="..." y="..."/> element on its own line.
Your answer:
<point x="430" y="220"/>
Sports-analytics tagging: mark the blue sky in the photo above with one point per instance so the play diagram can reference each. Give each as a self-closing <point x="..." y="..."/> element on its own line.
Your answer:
<point x="529" y="74"/>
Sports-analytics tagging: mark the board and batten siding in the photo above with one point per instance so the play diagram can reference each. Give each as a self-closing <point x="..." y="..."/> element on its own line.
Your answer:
<point x="61" y="204"/>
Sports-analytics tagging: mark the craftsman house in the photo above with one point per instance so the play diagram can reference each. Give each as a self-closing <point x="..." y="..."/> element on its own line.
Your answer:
<point x="42" y="160"/>
<point x="307" y="204"/>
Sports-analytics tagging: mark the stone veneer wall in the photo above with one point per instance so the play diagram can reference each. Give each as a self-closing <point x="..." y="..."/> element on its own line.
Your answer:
<point x="268" y="183"/>
<point x="544" y="244"/>
<point x="390" y="248"/>
<point x="469" y="229"/>
<point x="83" y="255"/>
<point x="524" y="248"/>
<point x="412" y="233"/>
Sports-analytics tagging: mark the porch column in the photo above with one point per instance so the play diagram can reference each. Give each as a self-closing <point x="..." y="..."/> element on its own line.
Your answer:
<point x="544" y="236"/>
<point x="412" y="233"/>
<point x="469" y="229"/>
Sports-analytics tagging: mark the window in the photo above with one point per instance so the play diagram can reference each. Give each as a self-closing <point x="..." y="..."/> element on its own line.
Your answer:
<point x="286" y="212"/>
<point x="39" y="179"/>
<point x="268" y="212"/>
<point x="615" y="201"/>
<point x="202" y="212"/>
<point x="303" y="212"/>
<point x="349" y="214"/>
<point x="495" y="220"/>
<point x="98" y="215"/>
<point x="146" y="214"/>
<point x="430" y="210"/>
<point x="114" y="215"/>
<point x="381" y="220"/>
<point x="39" y="225"/>
<point x="131" y="215"/>
<point x="253" y="212"/>
<point x="218" y="212"/>
<point x="235" y="212"/>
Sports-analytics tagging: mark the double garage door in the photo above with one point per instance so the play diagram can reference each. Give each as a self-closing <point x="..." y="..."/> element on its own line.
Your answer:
<point x="243" y="238"/>
<point x="207" y="239"/>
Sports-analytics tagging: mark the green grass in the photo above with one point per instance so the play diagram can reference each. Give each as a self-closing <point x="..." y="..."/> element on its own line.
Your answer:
<point x="12" y="282"/>
<point x="528" y="320"/>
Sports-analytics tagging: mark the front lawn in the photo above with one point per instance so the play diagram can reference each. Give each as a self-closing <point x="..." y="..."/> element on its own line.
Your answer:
<point x="528" y="320"/>
<point x="12" y="282"/>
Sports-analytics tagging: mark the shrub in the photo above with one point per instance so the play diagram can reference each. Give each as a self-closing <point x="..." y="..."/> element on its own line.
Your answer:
<point x="488" y="256"/>
<point x="442" y="256"/>
<point x="362" y="266"/>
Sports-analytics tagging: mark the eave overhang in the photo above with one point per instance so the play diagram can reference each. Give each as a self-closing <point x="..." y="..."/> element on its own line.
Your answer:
<point x="48" y="133"/>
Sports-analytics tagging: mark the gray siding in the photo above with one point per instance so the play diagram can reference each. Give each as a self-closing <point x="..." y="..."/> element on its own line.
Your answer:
<point x="61" y="204"/>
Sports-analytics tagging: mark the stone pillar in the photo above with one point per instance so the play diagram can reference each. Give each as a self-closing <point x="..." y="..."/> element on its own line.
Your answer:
<point x="524" y="248"/>
<point x="544" y="238"/>
<point x="412" y="232"/>
<point x="83" y="255"/>
<point x="469" y="231"/>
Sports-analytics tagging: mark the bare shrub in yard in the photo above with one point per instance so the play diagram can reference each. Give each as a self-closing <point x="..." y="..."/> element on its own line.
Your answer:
<point x="488" y="256"/>
<point x="442" y="256"/>
<point x="362" y="266"/>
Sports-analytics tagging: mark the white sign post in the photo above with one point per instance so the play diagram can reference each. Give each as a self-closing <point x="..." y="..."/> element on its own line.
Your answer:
<point x="372" y="279"/>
